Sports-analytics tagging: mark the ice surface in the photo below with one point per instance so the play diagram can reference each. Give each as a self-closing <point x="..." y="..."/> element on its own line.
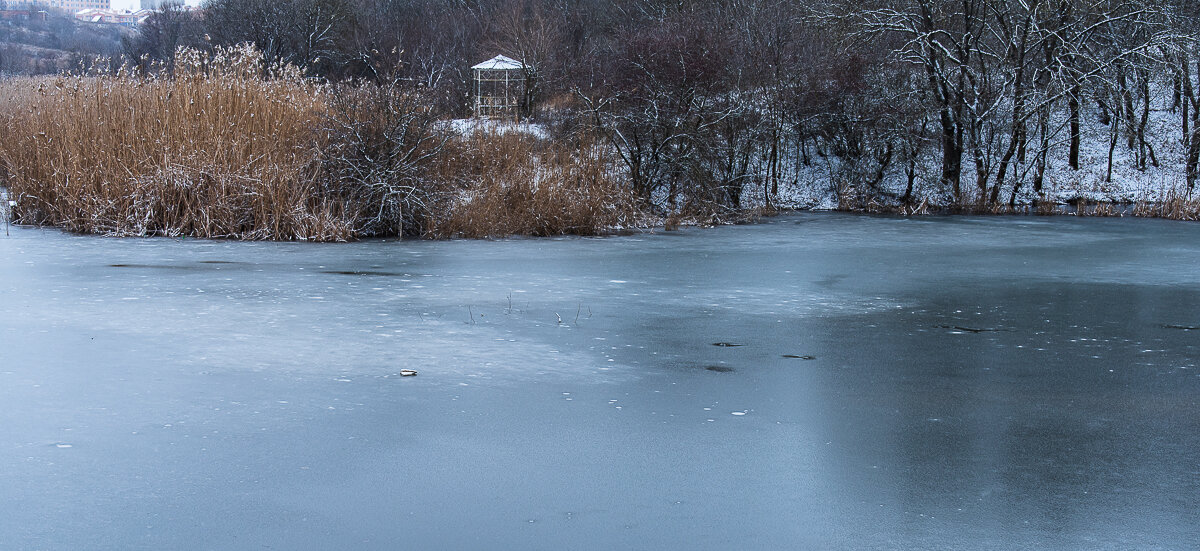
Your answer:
<point x="183" y="394"/>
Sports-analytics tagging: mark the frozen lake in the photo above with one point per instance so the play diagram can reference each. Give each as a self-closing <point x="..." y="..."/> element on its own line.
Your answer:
<point x="954" y="383"/>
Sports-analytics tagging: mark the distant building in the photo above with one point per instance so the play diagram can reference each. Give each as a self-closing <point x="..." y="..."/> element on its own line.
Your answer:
<point x="156" y="5"/>
<point x="76" y="5"/>
<point x="23" y="15"/>
<point x="110" y="17"/>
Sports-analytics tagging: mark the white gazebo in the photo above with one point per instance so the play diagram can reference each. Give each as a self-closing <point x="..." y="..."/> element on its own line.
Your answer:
<point x="499" y="87"/>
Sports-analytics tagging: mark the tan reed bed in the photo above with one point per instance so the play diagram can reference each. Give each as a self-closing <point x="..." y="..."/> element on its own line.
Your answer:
<point x="223" y="151"/>
<point x="511" y="183"/>
<point x="1175" y="205"/>
<point x="217" y="151"/>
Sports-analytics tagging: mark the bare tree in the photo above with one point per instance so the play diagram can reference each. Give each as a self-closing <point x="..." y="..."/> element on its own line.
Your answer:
<point x="162" y="33"/>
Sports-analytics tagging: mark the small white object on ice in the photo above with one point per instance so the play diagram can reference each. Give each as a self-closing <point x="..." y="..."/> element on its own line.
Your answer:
<point x="739" y="413"/>
<point x="407" y="372"/>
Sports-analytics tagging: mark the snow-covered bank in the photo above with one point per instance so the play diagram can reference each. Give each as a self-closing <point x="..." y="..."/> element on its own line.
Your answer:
<point x="818" y="180"/>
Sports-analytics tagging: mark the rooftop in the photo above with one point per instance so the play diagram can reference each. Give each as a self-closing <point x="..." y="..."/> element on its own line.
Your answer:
<point x="500" y="63"/>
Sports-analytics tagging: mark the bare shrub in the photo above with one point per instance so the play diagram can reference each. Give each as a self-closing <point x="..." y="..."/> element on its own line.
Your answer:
<point x="382" y="141"/>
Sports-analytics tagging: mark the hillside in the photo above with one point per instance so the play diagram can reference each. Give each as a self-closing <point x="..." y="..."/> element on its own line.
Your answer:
<point x="33" y="46"/>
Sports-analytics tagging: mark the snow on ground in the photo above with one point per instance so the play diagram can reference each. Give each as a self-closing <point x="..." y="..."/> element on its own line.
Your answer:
<point x="471" y="126"/>
<point x="815" y="185"/>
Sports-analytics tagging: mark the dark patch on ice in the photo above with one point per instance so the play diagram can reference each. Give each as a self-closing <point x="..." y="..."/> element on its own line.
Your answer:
<point x="727" y="344"/>
<point x="831" y="280"/>
<point x="1181" y="327"/>
<point x="154" y="266"/>
<point x="198" y="266"/>
<point x="796" y="357"/>
<point x="364" y="273"/>
<point x="973" y="329"/>
<point x="719" y="368"/>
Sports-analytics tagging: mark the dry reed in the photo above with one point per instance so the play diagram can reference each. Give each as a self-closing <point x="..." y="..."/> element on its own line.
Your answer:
<point x="511" y="183"/>
<point x="217" y="151"/>
<point x="226" y="149"/>
<point x="1175" y="206"/>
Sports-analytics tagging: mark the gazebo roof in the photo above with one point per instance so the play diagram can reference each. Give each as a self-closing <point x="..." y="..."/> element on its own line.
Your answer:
<point x="500" y="63"/>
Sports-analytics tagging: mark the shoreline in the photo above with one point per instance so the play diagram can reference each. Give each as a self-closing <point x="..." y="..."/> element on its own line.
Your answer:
<point x="1077" y="208"/>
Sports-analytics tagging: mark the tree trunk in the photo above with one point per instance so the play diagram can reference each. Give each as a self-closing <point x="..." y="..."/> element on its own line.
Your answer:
<point x="1073" y="107"/>
<point x="1145" y="148"/>
<point x="773" y="168"/>
<point x="911" y="172"/>
<point x="884" y="160"/>
<point x="952" y="152"/>
<point x="1113" y="136"/>
<point x="1187" y="97"/>
<point x="1193" y="157"/>
<point x="1002" y="171"/>
<point x="1191" y="123"/>
<point x="982" y="171"/>
<point x="1043" y="150"/>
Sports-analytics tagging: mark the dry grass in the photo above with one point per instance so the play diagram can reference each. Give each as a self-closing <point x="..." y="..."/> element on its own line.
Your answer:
<point x="1175" y="206"/>
<point x="921" y="209"/>
<point x="1099" y="209"/>
<point x="516" y="184"/>
<point x="1046" y="208"/>
<point x="1107" y="210"/>
<point x="223" y="151"/>
<point x="217" y="151"/>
